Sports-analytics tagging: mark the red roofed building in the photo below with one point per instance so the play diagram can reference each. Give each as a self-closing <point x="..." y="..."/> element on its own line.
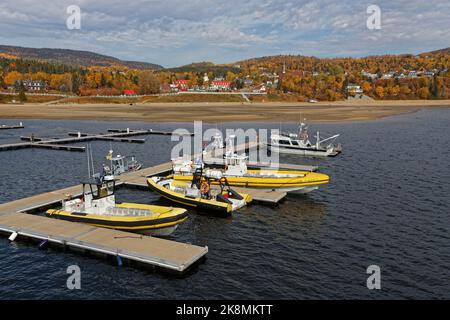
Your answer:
<point x="182" y="85"/>
<point x="129" y="92"/>
<point x="220" y="85"/>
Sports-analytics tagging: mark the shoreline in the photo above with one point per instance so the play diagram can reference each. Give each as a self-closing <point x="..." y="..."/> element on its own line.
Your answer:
<point x="338" y="111"/>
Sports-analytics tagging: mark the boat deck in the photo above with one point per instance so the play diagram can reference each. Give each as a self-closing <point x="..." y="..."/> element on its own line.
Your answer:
<point x="265" y="165"/>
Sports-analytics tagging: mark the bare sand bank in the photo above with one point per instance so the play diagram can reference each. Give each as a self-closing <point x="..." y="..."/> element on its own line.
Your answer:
<point x="339" y="111"/>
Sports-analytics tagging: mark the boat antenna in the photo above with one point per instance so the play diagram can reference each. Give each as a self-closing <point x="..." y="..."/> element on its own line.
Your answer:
<point x="92" y="160"/>
<point x="111" y="150"/>
<point x="88" y="164"/>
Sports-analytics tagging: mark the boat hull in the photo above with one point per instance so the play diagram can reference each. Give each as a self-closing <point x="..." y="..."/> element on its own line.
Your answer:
<point x="305" y="181"/>
<point x="163" y="225"/>
<point x="304" y="151"/>
<point x="205" y="205"/>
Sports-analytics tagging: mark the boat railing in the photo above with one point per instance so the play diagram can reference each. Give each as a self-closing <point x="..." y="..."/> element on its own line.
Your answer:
<point x="116" y="211"/>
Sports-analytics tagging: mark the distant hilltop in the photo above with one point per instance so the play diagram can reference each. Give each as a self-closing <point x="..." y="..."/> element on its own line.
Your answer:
<point x="73" y="57"/>
<point x="446" y="50"/>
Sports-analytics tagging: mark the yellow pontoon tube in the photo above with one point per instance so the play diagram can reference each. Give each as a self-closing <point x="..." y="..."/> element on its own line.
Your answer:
<point x="141" y="218"/>
<point x="283" y="180"/>
<point x="180" y="192"/>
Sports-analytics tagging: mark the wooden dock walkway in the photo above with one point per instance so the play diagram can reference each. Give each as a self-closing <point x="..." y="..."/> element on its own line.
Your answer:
<point x="166" y="254"/>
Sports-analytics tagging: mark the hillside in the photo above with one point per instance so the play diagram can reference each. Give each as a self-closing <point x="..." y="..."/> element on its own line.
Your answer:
<point x="72" y="57"/>
<point x="205" y="67"/>
<point x="445" y="50"/>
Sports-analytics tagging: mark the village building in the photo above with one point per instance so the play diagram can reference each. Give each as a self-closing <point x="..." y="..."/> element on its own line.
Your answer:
<point x="220" y="85"/>
<point x="205" y="78"/>
<point x="389" y="75"/>
<point x="129" y="92"/>
<point x="31" y="85"/>
<point x="260" y="89"/>
<point x="369" y="75"/>
<point x="165" y="88"/>
<point x="181" y="85"/>
<point x="354" y="89"/>
<point x="412" y="74"/>
<point x="247" y="82"/>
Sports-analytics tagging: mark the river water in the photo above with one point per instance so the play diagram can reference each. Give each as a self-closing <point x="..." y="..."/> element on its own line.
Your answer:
<point x="387" y="204"/>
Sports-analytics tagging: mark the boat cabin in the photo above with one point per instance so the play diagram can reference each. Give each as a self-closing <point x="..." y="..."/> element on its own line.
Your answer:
<point x="97" y="196"/>
<point x="235" y="164"/>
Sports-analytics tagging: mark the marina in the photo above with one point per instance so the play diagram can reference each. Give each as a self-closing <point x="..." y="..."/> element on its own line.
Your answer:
<point x="262" y="251"/>
<point x="17" y="220"/>
<point x="232" y="158"/>
<point x="116" y="135"/>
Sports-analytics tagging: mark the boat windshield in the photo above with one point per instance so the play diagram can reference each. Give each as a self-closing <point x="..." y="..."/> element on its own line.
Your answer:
<point x="100" y="190"/>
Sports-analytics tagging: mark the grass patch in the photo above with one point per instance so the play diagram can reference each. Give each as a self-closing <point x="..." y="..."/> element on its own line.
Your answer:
<point x="197" y="98"/>
<point x="286" y="97"/>
<point x="30" y="98"/>
<point x="41" y="99"/>
<point x="91" y="100"/>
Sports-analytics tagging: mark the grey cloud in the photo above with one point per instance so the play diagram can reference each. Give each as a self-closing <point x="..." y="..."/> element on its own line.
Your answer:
<point x="175" y="32"/>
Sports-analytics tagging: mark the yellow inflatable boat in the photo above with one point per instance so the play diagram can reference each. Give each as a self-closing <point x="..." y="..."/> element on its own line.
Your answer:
<point x="98" y="207"/>
<point x="199" y="194"/>
<point x="237" y="174"/>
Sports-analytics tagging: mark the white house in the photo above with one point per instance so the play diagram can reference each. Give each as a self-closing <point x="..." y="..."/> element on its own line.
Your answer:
<point x="354" y="89"/>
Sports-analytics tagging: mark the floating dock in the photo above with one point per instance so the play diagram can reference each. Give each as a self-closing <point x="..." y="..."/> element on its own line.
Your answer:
<point x="117" y="135"/>
<point x="161" y="253"/>
<point x="17" y="222"/>
<point x="165" y="254"/>
<point x="6" y="126"/>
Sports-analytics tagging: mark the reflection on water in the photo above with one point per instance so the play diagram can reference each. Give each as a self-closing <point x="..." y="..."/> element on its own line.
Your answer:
<point x="386" y="204"/>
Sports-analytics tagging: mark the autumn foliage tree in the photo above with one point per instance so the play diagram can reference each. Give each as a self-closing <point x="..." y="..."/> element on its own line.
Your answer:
<point x="148" y="83"/>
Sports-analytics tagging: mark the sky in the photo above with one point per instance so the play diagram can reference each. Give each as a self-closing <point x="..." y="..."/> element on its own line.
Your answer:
<point x="178" y="32"/>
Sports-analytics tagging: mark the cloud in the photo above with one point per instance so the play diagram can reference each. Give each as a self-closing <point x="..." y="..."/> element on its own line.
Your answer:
<point x="175" y="32"/>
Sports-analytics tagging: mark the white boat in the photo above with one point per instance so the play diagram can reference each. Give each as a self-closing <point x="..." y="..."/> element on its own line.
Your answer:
<point x="120" y="164"/>
<point x="299" y="143"/>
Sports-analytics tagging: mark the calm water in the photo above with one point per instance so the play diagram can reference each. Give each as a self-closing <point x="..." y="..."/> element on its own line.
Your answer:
<point x="387" y="204"/>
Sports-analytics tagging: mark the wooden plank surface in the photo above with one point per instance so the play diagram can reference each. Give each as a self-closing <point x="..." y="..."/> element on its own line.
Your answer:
<point x="159" y="252"/>
<point x="39" y="200"/>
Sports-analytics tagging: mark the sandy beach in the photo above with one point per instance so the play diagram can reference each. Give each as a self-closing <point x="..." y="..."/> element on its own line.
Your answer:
<point x="340" y="111"/>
